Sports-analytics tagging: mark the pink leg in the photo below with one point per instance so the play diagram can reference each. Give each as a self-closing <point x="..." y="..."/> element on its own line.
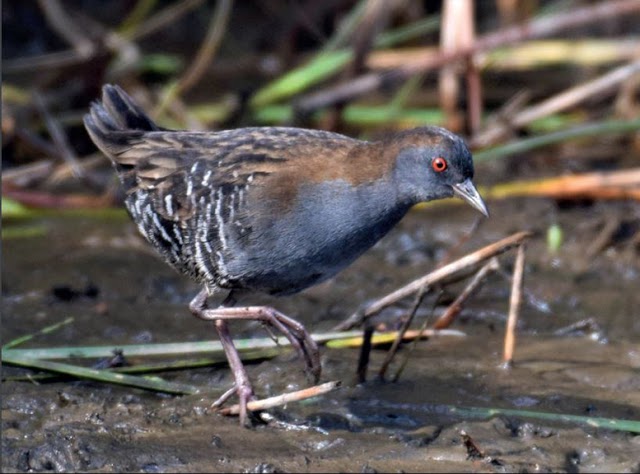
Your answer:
<point x="291" y="329"/>
<point x="242" y="385"/>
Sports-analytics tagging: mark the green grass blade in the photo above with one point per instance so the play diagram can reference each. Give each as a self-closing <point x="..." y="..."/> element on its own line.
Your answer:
<point x="12" y="209"/>
<point x="346" y="27"/>
<point x="23" y="231"/>
<point x="154" y="384"/>
<point x="601" y="128"/>
<point x="131" y="350"/>
<point x="28" y="337"/>
<point x="632" y="426"/>
<point x="195" y="363"/>
<point x="358" y="115"/>
<point x="15" y="211"/>
<point x="168" y="349"/>
<point x="326" y="64"/>
<point x="137" y="15"/>
<point x="414" y="30"/>
<point x="321" y="67"/>
<point x="159" y="367"/>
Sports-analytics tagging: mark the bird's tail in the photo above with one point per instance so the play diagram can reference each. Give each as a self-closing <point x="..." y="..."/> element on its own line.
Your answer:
<point x="115" y="123"/>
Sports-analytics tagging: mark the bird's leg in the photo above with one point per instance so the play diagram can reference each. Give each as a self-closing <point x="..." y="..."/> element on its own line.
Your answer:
<point x="290" y="328"/>
<point x="224" y="397"/>
<point x="295" y="332"/>
<point x="242" y="386"/>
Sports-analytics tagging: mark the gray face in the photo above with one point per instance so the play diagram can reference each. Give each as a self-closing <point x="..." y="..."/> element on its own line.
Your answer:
<point x="435" y="166"/>
<point x="429" y="172"/>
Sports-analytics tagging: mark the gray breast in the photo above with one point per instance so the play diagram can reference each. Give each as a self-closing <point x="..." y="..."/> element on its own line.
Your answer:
<point x="327" y="228"/>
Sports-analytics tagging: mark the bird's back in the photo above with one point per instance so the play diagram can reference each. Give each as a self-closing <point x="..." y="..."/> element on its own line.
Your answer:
<point x="189" y="192"/>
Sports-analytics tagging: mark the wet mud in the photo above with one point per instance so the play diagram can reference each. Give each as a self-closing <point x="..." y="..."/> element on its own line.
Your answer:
<point x="118" y="292"/>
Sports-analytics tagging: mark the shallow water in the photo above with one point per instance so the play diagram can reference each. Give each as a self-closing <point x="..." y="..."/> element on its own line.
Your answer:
<point x="126" y="295"/>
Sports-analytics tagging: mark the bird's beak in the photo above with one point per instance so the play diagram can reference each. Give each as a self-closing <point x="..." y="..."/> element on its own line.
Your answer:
<point x="467" y="191"/>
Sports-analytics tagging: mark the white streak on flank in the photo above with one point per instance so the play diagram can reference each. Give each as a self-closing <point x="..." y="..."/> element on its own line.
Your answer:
<point x="240" y="196"/>
<point x="160" y="228"/>
<point x="219" y="219"/>
<point x="176" y="232"/>
<point x="137" y="204"/>
<point x="205" y="178"/>
<point x="222" y="269"/>
<point x="200" y="262"/>
<point x="194" y="167"/>
<point x="207" y="214"/>
<point x="143" y="216"/>
<point x="143" y="230"/>
<point x="189" y="186"/>
<point x="201" y="233"/>
<point x="232" y="209"/>
<point x="168" y="204"/>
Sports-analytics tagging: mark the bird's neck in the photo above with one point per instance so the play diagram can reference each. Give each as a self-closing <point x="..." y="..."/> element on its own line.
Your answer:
<point x="359" y="215"/>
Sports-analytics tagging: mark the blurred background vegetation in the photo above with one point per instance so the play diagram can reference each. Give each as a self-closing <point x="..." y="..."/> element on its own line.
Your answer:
<point x="547" y="92"/>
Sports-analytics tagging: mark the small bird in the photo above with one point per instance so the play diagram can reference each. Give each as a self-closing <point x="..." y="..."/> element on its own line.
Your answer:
<point x="269" y="209"/>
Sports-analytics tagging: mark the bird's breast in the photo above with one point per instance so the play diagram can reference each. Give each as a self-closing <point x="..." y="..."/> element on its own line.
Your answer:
<point x="325" y="228"/>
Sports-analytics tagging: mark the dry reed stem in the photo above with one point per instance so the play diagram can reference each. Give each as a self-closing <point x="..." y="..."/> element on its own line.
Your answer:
<point x="63" y="25"/>
<point x="401" y="334"/>
<point x="559" y="102"/>
<point x="539" y="28"/>
<point x="445" y="320"/>
<point x="209" y="47"/>
<point x="514" y="305"/>
<point x="624" y="184"/>
<point x="440" y="275"/>
<point x="283" y="399"/>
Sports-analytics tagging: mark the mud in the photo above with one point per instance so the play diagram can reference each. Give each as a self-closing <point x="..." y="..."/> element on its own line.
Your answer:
<point x="99" y="272"/>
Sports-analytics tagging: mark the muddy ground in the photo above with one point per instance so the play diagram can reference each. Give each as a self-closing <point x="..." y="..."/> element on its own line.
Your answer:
<point x="129" y="296"/>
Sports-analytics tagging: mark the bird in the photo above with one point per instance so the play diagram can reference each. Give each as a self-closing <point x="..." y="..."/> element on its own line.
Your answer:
<point x="269" y="210"/>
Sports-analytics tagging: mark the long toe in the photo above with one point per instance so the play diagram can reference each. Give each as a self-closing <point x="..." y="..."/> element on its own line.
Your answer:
<point x="313" y="360"/>
<point x="299" y="338"/>
<point x="245" y="395"/>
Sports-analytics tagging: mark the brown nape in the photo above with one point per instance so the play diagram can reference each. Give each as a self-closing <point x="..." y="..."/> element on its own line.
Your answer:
<point x="370" y="161"/>
<point x="356" y="162"/>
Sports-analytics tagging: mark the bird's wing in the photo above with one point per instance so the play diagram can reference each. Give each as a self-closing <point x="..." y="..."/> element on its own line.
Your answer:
<point x="194" y="167"/>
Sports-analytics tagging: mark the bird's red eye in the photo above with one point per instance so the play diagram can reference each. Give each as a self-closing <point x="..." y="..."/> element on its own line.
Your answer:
<point x="439" y="164"/>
